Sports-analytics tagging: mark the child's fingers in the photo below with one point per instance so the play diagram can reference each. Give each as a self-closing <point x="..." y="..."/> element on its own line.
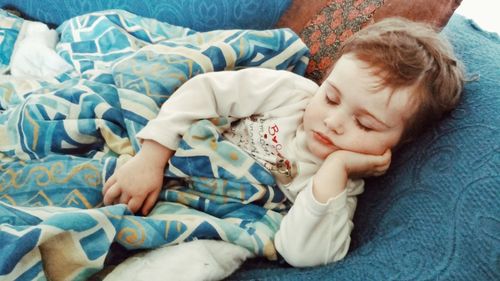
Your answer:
<point x="382" y="164"/>
<point x="375" y="160"/>
<point x="111" y="194"/>
<point x="386" y="157"/>
<point x="385" y="160"/>
<point x="150" y="201"/>
<point x="135" y="203"/>
<point x="109" y="183"/>
<point x="124" y="198"/>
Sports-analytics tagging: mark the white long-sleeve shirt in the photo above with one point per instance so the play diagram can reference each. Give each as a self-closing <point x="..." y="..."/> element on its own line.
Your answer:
<point x="265" y="108"/>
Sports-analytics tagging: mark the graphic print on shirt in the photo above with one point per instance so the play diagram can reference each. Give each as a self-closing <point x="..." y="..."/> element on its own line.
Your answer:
<point x="261" y="139"/>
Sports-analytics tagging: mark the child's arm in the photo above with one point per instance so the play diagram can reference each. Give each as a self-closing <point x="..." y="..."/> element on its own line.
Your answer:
<point x="317" y="228"/>
<point x="232" y="94"/>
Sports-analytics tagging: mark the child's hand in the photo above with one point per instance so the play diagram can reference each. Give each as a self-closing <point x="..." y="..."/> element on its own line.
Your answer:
<point x="358" y="165"/>
<point x="138" y="182"/>
<point x="331" y="178"/>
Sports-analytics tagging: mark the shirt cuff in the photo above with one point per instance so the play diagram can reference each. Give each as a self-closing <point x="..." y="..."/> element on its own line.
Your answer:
<point x="150" y="132"/>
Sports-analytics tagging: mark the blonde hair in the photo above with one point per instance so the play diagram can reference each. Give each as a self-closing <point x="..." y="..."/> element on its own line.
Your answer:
<point x="410" y="54"/>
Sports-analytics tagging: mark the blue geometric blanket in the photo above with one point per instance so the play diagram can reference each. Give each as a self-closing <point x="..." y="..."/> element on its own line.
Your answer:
<point x="60" y="141"/>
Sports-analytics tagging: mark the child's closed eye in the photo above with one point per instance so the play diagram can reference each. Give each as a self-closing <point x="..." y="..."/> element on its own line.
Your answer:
<point x="363" y="127"/>
<point x="331" y="101"/>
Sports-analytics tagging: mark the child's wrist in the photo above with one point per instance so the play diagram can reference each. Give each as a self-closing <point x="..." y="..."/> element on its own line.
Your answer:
<point x="329" y="181"/>
<point x="155" y="153"/>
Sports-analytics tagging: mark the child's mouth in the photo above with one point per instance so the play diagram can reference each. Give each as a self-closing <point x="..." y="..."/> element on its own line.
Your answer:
<point x="322" y="139"/>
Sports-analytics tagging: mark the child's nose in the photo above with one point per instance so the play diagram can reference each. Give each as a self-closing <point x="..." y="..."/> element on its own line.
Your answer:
<point x="335" y="124"/>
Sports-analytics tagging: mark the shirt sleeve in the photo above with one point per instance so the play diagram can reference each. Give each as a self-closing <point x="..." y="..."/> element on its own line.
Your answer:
<point x="313" y="233"/>
<point x="232" y="94"/>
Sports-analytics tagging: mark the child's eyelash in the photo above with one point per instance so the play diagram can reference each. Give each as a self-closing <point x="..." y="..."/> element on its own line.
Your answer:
<point x="330" y="101"/>
<point x="364" y="128"/>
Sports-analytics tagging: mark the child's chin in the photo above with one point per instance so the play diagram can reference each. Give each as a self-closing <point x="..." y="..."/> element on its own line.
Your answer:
<point x="320" y="152"/>
<point x="319" y="149"/>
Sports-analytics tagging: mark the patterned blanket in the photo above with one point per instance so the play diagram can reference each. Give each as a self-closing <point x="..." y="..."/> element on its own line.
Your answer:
<point x="59" y="141"/>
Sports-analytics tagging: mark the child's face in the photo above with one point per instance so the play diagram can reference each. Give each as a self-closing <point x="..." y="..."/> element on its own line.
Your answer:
<point x="350" y="112"/>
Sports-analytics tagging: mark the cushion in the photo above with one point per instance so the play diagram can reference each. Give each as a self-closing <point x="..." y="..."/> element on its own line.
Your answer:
<point x="435" y="215"/>
<point x="199" y="15"/>
<point x="325" y="24"/>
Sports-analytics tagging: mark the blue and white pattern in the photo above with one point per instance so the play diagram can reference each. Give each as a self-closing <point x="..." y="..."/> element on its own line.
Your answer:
<point x="10" y="26"/>
<point x="60" y="141"/>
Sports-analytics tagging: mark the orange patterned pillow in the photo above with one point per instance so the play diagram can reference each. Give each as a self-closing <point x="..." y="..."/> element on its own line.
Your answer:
<point x="333" y="25"/>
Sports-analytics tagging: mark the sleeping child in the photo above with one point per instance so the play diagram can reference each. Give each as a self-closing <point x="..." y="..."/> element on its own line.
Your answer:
<point x="391" y="80"/>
